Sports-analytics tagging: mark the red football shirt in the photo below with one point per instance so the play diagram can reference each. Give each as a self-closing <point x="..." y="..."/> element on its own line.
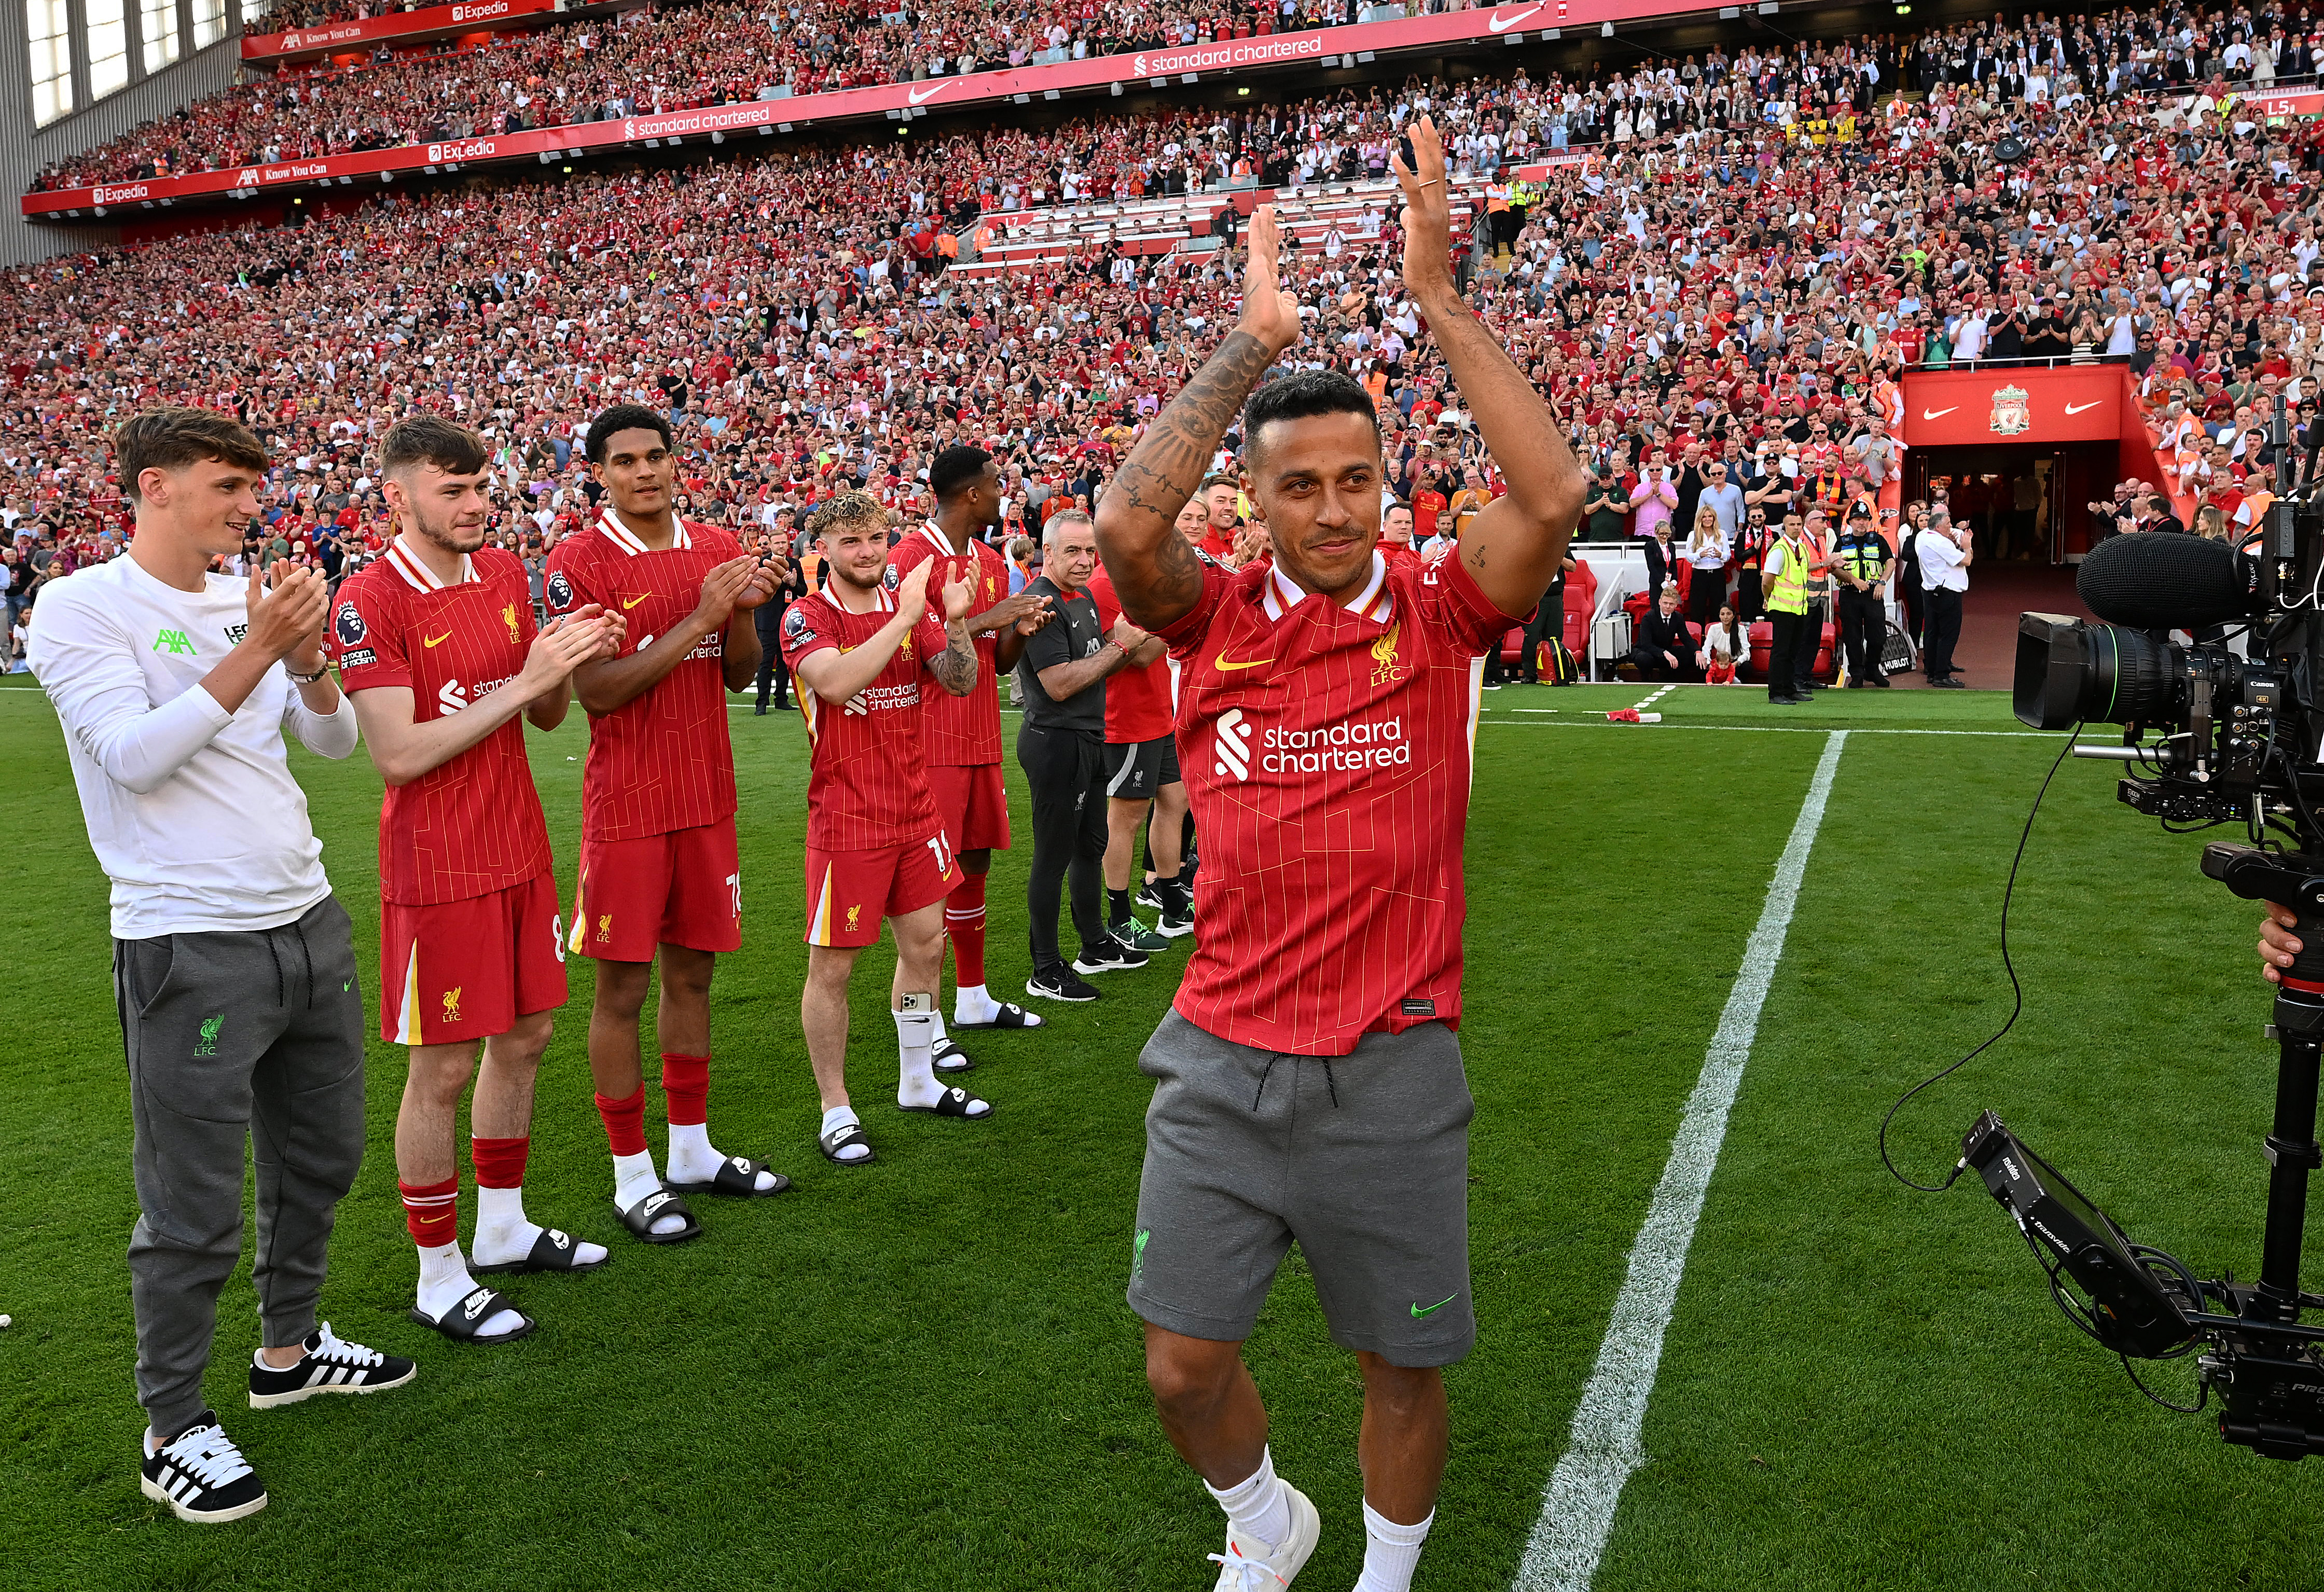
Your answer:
<point x="472" y="825"/>
<point x="867" y="783"/>
<point x="662" y="760"/>
<point x="1326" y="750"/>
<point x="960" y="732"/>
<point x="1139" y="703"/>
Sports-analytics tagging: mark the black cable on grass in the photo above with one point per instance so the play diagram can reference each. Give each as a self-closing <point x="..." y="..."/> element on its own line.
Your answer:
<point x="2017" y="990"/>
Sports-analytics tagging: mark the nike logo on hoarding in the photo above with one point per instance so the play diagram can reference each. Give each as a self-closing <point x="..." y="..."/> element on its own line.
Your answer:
<point x="1502" y="24"/>
<point x="921" y="97"/>
<point x="432" y="640"/>
<point x="1227" y="668"/>
<point x="2076" y="408"/>
<point x="1937" y="414"/>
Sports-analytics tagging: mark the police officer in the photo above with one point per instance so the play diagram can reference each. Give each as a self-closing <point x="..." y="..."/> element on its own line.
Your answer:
<point x="1859" y="561"/>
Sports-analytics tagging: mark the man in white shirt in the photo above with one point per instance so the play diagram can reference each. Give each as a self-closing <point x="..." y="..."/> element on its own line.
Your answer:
<point x="1946" y="555"/>
<point x="233" y="968"/>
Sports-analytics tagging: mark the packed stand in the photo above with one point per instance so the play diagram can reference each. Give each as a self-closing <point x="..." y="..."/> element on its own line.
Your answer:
<point x="1716" y="285"/>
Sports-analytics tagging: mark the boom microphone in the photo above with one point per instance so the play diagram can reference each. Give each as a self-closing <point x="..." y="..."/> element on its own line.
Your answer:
<point x="2160" y="581"/>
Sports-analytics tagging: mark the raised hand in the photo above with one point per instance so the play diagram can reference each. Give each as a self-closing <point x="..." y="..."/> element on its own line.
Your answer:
<point x="1023" y="610"/>
<point x="721" y="590"/>
<point x="604" y="625"/>
<point x="759" y="589"/>
<point x="1269" y="314"/>
<point x="1127" y="636"/>
<point x="959" y="595"/>
<point x="562" y="648"/>
<point x="287" y="620"/>
<point x="1427" y="208"/>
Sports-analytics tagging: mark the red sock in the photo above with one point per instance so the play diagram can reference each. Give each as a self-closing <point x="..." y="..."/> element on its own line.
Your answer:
<point x="499" y="1161"/>
<point x="625" y="1122"/>
<point x="430" y="1213"/>
<point x="965" y="922"/>
<point x="686" y="1080"/>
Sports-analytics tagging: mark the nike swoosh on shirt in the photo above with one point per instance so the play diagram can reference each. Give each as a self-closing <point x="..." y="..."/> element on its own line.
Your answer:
<point x="1502" y="24"/>
<point x="630" y="602"/>
<point x="920" y="98"/>
<point x="1937" y="414"/>
<point x="432" y="640"/>
<point x="2076" y="408"/>
<point x="1226" y="668"/>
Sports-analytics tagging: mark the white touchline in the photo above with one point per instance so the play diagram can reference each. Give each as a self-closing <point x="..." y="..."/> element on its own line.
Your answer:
<point x="1577" y="1507"/>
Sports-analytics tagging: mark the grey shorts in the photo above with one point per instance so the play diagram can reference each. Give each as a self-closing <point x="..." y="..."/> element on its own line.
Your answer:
<point x="1135" y="770"/>
<point x="1362" y="1159"/>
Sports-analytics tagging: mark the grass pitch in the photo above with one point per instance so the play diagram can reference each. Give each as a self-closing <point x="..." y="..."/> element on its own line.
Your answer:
<point x="920" y="1375"/>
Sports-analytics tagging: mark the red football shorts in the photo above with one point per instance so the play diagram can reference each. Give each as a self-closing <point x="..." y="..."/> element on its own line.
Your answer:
<point x="973" y="806"/>
<point x="468" y="969"/>
<point x="849" y="892"/>
<point x="681" y="887"/>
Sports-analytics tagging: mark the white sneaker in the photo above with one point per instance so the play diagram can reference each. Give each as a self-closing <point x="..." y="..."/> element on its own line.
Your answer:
<point x="1250" y="1565"/>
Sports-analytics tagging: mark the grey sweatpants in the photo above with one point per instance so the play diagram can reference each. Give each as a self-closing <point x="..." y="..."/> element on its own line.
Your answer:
<point x="235" y="1036"/>
<point x="1362" y="1159"/>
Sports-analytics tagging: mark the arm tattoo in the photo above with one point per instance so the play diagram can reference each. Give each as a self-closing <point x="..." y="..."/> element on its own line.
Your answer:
<point x="956" y="666"/>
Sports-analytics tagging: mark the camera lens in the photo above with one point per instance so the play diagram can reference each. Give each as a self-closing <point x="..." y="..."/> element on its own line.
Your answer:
<point x="2071" y="671"/>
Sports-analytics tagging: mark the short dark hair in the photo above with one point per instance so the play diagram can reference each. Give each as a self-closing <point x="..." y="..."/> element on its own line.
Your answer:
<point x="431" y="439"/>
<point x="1305" y="395"/>
<point x="624" y="417"/>
<point x="1210" y="480"/>
<point x="958" y="466"/>
<point x="173" y="438"/>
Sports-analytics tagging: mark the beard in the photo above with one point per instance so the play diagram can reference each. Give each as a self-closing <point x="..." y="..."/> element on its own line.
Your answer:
<point x="448" y="533"/>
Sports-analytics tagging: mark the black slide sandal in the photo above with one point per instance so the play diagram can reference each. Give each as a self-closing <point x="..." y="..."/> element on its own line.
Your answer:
<point x="640" y="1217"/>
<point x="1010" y="1016"/>
<point x="948" y="1057"/>
<point x="839" y="1138"/>
<point x="737" y="1178"/>
<point x="480" y="1305"/>
<point x="955" y="1102"/>
<point x="553" y="1251"/>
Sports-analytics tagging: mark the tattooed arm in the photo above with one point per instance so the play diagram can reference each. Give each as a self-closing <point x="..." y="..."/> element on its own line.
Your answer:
<point x="1153" y="568"/>
<point x="1516" y="543"/>
<point x="956" y="666"/>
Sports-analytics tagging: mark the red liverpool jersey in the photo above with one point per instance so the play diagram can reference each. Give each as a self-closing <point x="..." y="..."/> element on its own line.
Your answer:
<point x="868" y="783"/>
<point x="471" y="825"/>
<point x="961" y="731"/>
<point x="1139" y="702"/>
<point x="1326" y="750"/>
<point x="662" y="760"/>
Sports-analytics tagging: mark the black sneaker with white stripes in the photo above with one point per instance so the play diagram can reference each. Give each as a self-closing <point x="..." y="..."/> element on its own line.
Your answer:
<point x="1110" y="957"/>
<point x="328" y="1366"/>
<point x="202" y="1477"/>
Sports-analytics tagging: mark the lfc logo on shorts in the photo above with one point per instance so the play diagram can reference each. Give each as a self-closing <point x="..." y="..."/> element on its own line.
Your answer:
<point x="1385" y="670"/>
<point x="508" y="618"/>
<point x="605" y="929"/>
<point x="852" y="913"/>
<point x="452" y="1003"/>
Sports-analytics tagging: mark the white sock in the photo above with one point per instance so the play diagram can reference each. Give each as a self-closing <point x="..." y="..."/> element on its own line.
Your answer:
<point x="971" y="1004"/>
<point x="840" y="1117"/>
<point x="916" y="1077"/>
<point x="1391" y="1551"/>
<point x="500" y="1213"/>
<point x="1257" y="1508"/>
<point x="444" y="1281"/>
<point x="634" y="1178"/>
<point x="692" y="1158"/>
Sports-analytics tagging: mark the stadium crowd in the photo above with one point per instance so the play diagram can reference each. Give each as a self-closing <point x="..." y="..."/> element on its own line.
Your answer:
<point x="1755" y="249"/>
<point x="685" y="57"/>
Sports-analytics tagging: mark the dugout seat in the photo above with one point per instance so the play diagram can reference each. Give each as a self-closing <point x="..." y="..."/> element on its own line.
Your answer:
<point x="1763" y="638"/>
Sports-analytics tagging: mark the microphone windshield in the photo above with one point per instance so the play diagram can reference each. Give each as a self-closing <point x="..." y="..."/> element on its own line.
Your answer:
<point x="2163" y="580"/>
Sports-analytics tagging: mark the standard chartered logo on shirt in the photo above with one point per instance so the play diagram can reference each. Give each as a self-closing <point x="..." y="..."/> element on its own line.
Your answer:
<point x="1348" y="746"/>
<point x="1232" y="745"/>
